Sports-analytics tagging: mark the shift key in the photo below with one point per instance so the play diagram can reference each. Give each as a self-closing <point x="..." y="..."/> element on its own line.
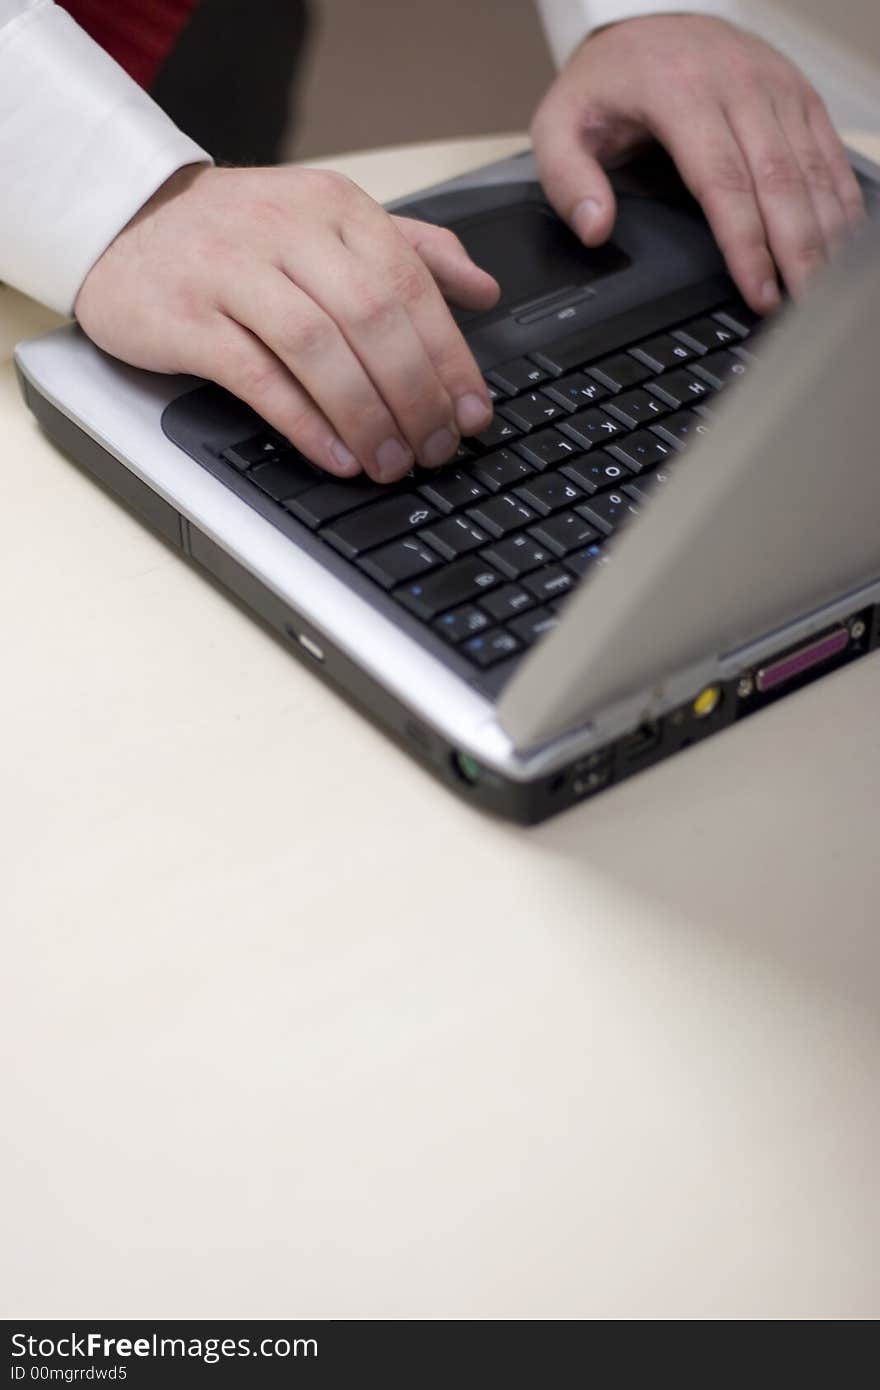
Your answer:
<point x="379" y="523"/>
<point x="461" y="582"/>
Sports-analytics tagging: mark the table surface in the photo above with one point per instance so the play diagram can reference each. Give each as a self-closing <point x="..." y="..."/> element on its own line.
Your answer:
<point x="288" y="1029"/>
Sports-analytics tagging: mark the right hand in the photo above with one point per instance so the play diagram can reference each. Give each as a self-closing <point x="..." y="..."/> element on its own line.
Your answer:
<point x="294" y="290"/>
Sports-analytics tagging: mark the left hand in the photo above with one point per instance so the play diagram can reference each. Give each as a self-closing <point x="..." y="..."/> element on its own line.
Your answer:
<point x="751" y="139"/>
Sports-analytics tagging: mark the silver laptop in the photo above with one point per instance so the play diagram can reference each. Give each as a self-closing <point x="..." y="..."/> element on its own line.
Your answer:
<point x="672" y="522"/>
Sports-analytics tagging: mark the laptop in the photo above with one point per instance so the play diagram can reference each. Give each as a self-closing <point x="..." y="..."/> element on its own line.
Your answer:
<point x="672" y="522"/>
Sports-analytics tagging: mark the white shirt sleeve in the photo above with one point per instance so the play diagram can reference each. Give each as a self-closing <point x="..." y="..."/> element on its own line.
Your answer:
<point x="568" y="21"/>
<point x="82" y="147"/>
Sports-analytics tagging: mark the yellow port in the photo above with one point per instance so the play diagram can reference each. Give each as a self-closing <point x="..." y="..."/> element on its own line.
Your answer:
<point x="707" y="702"/>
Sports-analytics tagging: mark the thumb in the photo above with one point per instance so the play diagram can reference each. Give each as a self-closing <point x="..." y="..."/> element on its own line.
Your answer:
<point x="574" y="181"/>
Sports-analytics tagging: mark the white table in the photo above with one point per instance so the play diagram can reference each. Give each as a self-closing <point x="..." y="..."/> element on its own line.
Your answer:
<point x="288" y="1030"/>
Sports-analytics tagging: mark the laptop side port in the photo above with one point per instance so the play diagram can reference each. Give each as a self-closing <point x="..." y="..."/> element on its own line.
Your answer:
<point x="637" y="747"/>
<point x="797" y="666"/>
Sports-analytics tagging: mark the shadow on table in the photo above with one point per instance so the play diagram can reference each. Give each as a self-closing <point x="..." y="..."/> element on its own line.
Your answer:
<point x="766" y="834"/>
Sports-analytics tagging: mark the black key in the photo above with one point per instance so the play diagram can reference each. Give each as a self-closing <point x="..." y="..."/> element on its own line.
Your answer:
<point x="719" y="368"/>
<point x="547" y="492"/>
<point x="609" y="510"/>
<point x="576" y="391"/>
<point x="564" y="532"/>
<point x="663" y="352"/>
<point x="681" y="428"/>
<point x="596" y="472"/>
<point x="463" y="454"/>
<point x="550" y="583"/>
<point x="500" y="431"/>
<point x="461" y="582"/>
<point x="634" y="408"/>
<point x="531" y="411"/>
<point x="620" y="371"/>
<point x="256" y="450"/>
<point x="462" y="622"/>
<point x="591" y="427"/>
<point x="491" y="647"/>
<point x="500" y="469"/>
<point x="679" y="388"/>
<point x="585" y="560"/>
<point x="641" y="450"/>
<point x="643" y="488"/>
<point x="739" y="317"/>
<point x="381" y="522"/>
<point x="494" y="392"/>
<point x="453" y="537"/>
<point x="501" y="515"/>
<point x="506" y="602"/>
<point x="518" y="555"/>
<point x="450" y="489"/>
<point x="546" y="448"/>
<point x="327" y="501"/>
<point x="285" y="477"/>
<point x="518" y="375"/>
<point x="706" y="334"/>
<point x="533" y="625"/>
<point x="392" y="564"/>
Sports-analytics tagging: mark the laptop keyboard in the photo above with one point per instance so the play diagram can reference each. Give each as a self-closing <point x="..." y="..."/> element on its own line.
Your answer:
<point x="486" y="550"/>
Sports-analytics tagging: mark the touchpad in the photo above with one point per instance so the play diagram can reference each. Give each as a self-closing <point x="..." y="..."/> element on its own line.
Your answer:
<point x="532" y="253"/>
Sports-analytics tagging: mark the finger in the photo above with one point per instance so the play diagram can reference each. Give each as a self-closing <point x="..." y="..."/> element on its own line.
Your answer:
<point x="819" y="179"/>
<point x="793" y="232"/>
<point x="829" y="142"/>
<point x="310" y="345"/>
<point x="712" y="165"/>
<point x="238" y="361"/>
<point x="458" y="278"/>
<point x="572" y="177"/>
<point x="372" y="309"/>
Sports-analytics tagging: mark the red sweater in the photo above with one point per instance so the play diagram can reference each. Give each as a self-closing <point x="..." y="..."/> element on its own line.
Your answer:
<point x="139" y="34"/>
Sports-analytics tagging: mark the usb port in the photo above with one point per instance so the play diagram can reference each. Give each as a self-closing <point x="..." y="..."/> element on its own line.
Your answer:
<point x="638" y="745"/>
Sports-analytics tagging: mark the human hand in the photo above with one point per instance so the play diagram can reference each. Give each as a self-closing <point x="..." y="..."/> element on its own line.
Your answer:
<point x="751" y="139"/>
<point x="297" y="292"/>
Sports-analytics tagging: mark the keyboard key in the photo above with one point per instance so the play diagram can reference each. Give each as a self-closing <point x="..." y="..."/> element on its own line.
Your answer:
<point x="679" y="387"/>
<point x="518" y="555"/>
<point x="462" y="622"/>
<point x="597" y="471"/>
<point x="260" y="448"/>
<point x="719" y="368"/>
<point x="500" y="431"/>
<point x="500" y="469"/>
<point x="585" y="560"/>
<point x="705" y="334"/>
<point x="547" y="492"/>
<point x="453" y="537"/>
<point x="564" y="532"/>
<point x="533" y="625"/>
<point x="591" y="427"/>
<point x="492" y="647"/>
<point x="608" y="511"/>
<point x="739" y="317"/>
<point x="462" y="582"/>
<point x="381" y="522"/>
<point x="643" y="489"/>
<point x="327" y="501"/>
<point x="576" y="391"/>
<point x="450" y="489"/>
<point x="518" y="375"/>
<point x="550" y="583"/>
<point x="531" y="411"/>
<point x="546" y="448"/>
<point x="285" y="477"/>
<point x="663" y="352"/>
<point x="634" y="408"/>
<point x="681" y="428"/>
<point x="641" y="450"/>
<point x="401" y="560"/>
<point x="506" y="602"/>
<point x="620" y="371"/>
<point x="501" y="515"/>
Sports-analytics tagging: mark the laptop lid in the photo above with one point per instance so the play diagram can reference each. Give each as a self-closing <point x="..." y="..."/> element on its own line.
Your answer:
<point x="772" y="515"/>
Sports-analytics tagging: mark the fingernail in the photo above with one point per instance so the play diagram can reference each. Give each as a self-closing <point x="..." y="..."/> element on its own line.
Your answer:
<point x="344" y="457"/>
<point x="439" y="447"/>
<point x="392" y="460"/>
<point x="585" y="216"/>
<point x="770" y="294"/>
<point x="472" y="413"/>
